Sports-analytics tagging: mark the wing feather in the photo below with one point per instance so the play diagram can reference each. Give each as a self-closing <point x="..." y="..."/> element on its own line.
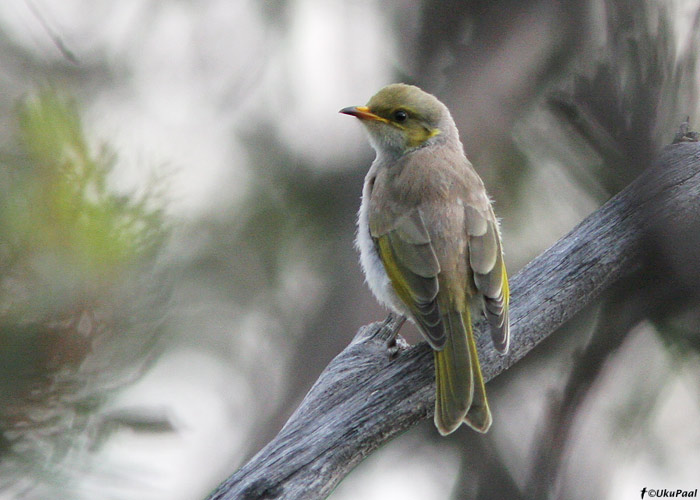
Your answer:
<point x="490" y="277"/>
<point x="412" y="266"/>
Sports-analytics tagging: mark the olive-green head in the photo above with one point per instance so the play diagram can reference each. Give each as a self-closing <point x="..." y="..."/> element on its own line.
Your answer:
<point x="400" y="118"/>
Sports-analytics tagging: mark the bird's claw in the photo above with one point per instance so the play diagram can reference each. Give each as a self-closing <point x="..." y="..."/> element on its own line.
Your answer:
<point x="392" y="348"/>
<point x="392" y="324"/>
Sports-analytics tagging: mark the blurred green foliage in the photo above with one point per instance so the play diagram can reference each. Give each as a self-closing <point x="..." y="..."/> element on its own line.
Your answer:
<point x="58" y="200"/>
<point x="78" y="284"/>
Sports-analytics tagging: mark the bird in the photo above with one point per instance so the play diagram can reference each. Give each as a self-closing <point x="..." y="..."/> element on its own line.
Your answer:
<point x="430" y="243"/>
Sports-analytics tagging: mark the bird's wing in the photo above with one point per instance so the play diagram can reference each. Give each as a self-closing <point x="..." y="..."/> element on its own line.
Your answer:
<point x="486" y="262"/>
<point x="412" y="266"/>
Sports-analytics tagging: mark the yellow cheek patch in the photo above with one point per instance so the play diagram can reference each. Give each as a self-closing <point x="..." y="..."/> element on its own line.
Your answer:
<point x="434" y="132"/>
<point x="418" y="136"/>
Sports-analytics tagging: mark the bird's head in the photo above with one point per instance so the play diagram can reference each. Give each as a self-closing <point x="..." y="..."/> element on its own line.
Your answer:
<point x="400" y="118"/>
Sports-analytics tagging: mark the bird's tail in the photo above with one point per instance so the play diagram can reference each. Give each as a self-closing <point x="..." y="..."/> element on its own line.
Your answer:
<point x="461" y="395"/>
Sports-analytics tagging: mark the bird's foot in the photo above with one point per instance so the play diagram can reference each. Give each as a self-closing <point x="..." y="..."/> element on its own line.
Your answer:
<point x="391" y="326"/>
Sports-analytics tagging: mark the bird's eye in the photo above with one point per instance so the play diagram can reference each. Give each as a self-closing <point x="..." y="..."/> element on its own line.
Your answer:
<point x="400" y="116"/>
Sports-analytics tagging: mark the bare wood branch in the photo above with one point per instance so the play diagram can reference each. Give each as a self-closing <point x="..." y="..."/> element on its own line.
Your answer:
<point x="364" y="398"/>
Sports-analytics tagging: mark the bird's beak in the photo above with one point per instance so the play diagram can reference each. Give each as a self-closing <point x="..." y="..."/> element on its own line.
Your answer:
<point x="362" y="112"/>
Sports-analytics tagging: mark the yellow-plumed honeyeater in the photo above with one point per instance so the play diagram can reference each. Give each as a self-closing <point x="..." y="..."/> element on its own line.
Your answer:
<point x="430" y="244"/>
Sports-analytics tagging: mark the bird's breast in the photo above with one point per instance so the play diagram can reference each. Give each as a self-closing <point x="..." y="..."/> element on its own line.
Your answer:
<point x="372" y="266"/>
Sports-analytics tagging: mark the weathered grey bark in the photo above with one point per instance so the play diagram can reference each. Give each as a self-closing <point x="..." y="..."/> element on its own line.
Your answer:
<point x="364" y="398"/>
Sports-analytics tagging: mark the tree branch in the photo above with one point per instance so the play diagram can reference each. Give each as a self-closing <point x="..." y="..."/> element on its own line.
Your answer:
<point x="363" y="398"/>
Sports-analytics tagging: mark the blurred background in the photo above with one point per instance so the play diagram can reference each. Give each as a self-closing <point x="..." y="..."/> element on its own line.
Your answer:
<point x="177" y="207"/>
